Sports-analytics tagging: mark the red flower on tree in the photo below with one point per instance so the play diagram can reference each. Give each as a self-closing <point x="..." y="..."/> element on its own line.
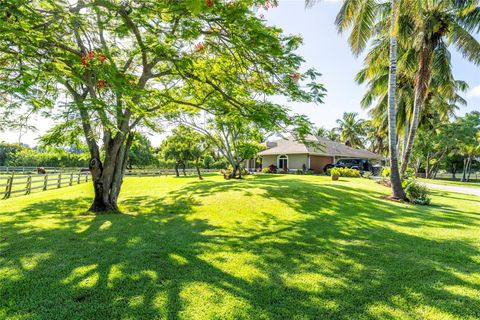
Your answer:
<point x="101" y="84"/>
<point x="209" y="3"/>
<point x="200" y="47"/>
<point x="295" y="76"/>
<point x="85" y="59"/>
<point x="101" y="57"/>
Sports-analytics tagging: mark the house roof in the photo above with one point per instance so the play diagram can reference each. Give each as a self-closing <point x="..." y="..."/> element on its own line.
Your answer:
<point x="317" y="146"/>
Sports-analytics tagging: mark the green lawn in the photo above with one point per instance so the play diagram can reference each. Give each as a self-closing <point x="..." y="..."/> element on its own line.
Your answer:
<point x="452" y="183"/>
<point x="268" y="247"/>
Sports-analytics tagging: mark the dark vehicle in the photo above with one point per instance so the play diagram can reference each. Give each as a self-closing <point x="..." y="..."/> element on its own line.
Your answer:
<point x="359" y="164"/>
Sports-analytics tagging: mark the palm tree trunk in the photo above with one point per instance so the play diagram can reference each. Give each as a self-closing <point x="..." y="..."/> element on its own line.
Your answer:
<point x="397" y="189"/>
<point x="422" y="80"/>
<point x="427" y="166"/>
<point x="405" y="135"/>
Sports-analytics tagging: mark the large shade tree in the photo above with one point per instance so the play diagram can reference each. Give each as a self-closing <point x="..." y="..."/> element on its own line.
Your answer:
<point x="101" y="68"/>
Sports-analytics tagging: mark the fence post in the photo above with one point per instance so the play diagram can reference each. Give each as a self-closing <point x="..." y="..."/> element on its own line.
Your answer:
<point x="71" y="178"/>
<point x="29" y="184"/>
<point x="59" y="182"/>
<point x="86" y="177"/>
<point x="78" y="178"/>
<point x="8" y="188"/>
<point x="45" y="182"/>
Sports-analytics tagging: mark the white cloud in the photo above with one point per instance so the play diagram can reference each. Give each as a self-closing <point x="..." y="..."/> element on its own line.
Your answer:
<point x="475" y="92"/>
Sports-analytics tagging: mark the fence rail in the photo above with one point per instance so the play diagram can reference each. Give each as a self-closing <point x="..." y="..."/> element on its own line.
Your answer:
<point x="135" y="171"/>
<point x="24" y="184"/>
<point x="166" y="172"/>
<point x="31" y="170"/>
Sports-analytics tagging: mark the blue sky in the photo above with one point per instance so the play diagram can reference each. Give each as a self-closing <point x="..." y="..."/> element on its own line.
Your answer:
<point x="328" y="52"/>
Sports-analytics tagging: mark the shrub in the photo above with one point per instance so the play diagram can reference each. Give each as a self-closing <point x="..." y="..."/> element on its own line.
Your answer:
<point x="417" y="193"/>
<point x="310" y="172"/>
<point x="386" y="172"/>
<point x="367" y="174"/>
<point x="344" y="172"/>
<point x="409" y="173"/>
<point x="334" y="172"/>
<point x="266" y="170"/>
<point x="272" y="168"/>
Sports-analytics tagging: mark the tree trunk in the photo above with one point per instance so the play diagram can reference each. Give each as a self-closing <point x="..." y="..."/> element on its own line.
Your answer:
<point x="107" y="176"/>
<point x="417" y="168"/>
<point x="405" y="135"/>
<point x="397" y="188"/>
<point x="198" y="170"/>
<point x="176" y="170"/>
<point x="183" y="170"/>
<point x="454" y="171"/>
<point x="427" y="167"/>
<point x="422" y="80"/>
<point x="464" y="173"/>
<point x="469" y="168"/>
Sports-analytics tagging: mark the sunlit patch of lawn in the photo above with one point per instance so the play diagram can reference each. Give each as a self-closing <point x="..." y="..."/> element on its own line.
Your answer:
<point x="470" y="184"/>
<point x="267" y="247"/>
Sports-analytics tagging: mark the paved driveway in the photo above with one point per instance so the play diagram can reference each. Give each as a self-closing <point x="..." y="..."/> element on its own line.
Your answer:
<point x="465" y="190"/>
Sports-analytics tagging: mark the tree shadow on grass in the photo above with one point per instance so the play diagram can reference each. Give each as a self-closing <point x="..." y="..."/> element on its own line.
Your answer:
<point x="346" y="256"/>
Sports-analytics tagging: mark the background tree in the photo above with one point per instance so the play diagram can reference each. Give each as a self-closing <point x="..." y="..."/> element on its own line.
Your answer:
<point x="7" y="150"/>
<point x="208" y="161"/>
<point x="351" y="129"/>
<point x="196" y="147"/>
<point x="235" y="138"/>
<point x="141" y="153"/>
<point x="175" y="148"/>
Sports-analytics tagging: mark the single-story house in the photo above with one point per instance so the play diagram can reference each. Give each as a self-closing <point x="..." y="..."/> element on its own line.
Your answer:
<point x="314" y="154"/>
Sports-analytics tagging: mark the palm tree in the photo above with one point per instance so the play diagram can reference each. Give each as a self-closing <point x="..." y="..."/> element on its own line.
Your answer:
<point x="434" y="26"/>
<point x="333" y="135"/>
<point x="351" y="129"/>
<point x="322" y="132"/>
<point x="397" y="188"/>
<point x="442" y="99"/>
<point x="365" y="18"/>
<point x="376" y="136"/>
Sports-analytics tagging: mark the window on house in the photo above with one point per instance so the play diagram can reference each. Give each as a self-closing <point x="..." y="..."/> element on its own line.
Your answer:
<point x="283" y="162"/>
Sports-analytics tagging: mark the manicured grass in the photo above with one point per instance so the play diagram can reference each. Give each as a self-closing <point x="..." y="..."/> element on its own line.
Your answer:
<point x="452" y="183"/>
<point x="268" y="247"/>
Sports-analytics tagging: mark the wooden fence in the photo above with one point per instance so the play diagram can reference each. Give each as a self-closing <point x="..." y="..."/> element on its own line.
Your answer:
<point x="25" y="184"/>
<point x="165" y="172"/>
<point x="24" y="180"/>
<point x="33" y="170"/>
